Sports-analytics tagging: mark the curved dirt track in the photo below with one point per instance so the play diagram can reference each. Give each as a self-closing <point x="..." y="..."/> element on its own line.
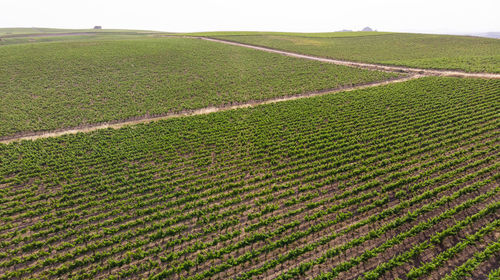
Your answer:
<point x="386" y="68"/>
<point x="202" y="111"/>
<point x="413" y="72"/>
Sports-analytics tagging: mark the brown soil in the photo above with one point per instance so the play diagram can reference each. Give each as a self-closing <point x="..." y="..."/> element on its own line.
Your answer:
<point x="310" y="255"/>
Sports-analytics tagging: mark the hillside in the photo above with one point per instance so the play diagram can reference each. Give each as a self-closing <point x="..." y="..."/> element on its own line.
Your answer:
<point x="357" y="183"/>
<point x="47" y="86"/>
<point x="178" y="156"/>
<point x="471" y="54"/>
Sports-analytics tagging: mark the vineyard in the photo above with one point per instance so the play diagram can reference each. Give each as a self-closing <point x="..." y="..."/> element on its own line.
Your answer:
<point x="48" y="86"/>
<point x="414" y="50"/>
<point x="28" y="31"/>
<point x="12" y="36"/>
<point x="291" y="34"/>
<point x="395" y="181"/>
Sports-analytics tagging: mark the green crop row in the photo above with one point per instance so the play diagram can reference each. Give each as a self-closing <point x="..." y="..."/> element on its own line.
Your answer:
<point x="317" y="187"/>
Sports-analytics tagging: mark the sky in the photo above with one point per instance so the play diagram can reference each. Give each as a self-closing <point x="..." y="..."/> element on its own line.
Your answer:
<point x="425" y="16"/>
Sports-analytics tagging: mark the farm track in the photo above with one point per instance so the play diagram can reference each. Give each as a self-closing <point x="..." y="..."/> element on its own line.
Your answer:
<point x="202" y="111"/>
<point x="240" y="167"/>
<point x="370" y="66"/>
<point x="414" y="73"/>
<point x="340" y="208"/>
<point x="391" y="133"/>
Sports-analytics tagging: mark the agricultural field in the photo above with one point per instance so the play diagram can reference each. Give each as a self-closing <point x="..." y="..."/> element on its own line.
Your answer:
<point x="400" y="180"/>
<point x="292" y="34"/>
<point x="47" y="86"/>
<point x="470" y="54"/>
<point x="72" y="38"/>
<point x="35" y="30"/>
<point x="12" y="36"/>
<point x="13" y="32"/>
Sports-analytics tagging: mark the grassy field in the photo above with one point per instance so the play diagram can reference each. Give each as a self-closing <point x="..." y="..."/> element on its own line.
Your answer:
<point x="293" y="34"/>
<point x="470" y="54"/>
<point x="386" y="182"/>
<point x="29" y="39"/>
<point x="12" y="36"/>
<point x="35" y="30"/>
<point x="47" y="86"/>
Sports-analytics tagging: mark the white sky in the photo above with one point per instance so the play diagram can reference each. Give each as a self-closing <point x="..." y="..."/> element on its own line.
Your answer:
<point x="431" y="16"/>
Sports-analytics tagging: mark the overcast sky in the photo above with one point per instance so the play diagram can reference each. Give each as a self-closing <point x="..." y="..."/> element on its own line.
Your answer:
<point x="430" y="16"/>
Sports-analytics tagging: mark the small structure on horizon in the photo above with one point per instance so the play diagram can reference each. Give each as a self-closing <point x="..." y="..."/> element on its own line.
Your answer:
<point x="367" y="29"/>
<point x="97" y="27"/>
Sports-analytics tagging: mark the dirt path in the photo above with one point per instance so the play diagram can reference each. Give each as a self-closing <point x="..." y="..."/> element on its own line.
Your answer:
<point x="414" y="73"/>
<point x="203" y="111"/>
<point x="429" y="72"/>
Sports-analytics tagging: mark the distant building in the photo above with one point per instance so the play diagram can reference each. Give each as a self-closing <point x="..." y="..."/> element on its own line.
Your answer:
<point x="97" y="27"/>
<point x="367" y="29"/>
